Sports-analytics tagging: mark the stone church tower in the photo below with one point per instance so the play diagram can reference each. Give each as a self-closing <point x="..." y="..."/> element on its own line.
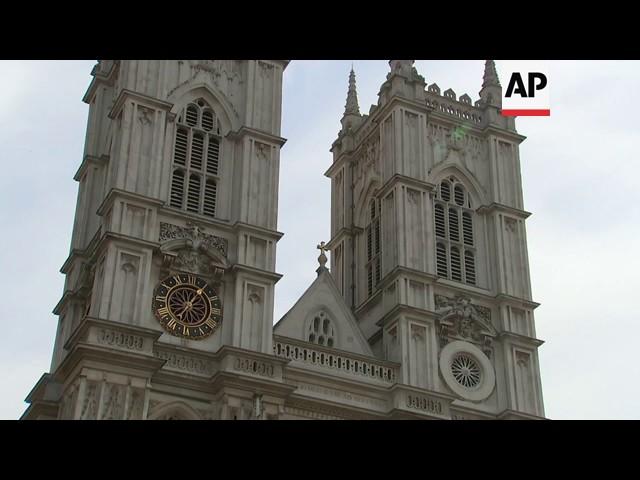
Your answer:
<point x="167" y="310"/>
<point x="429" y="243"/>
<point x="179" y="181"/>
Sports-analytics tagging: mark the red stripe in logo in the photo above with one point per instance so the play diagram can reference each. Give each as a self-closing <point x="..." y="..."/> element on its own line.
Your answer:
<point x="526" y="113"/>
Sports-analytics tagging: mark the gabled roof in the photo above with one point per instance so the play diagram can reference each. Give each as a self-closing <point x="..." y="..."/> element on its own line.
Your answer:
<point x="323" y="296"/>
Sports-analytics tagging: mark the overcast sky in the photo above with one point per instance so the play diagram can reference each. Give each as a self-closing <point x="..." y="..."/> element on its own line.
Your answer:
<point x="580" y="179"/>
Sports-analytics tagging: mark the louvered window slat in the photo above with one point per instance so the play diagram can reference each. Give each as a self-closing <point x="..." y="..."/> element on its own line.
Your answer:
<point x="454" y="260"/>
<point x="193" y="196"/>
<point x="373" y="247"/>
<point x="458" y="194"/>
<point x="208" y="120"/>
<point x="177" y="189"/>
<point x="456" y="272"/>
<point x="197" y="153"/>
<point x="180" y="152"/>
<point x="454" y="229"/>
<point x="470" y="267"/>
<point x="192" y="116"/>
<point x="445" y="191"/>
<point x="441" y="260"/>
<point x="440" y="229"/>
<point x="213" y="152"/>
<point x="197" y="150"/>
<point x="210" y="193"/>
<point x="467" y="228"/>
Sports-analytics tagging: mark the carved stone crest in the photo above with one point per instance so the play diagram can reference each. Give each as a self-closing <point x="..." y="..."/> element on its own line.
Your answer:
<point x="190" y="249"/>
<point x="194" y="233"/>
<point x="459" y="318"/>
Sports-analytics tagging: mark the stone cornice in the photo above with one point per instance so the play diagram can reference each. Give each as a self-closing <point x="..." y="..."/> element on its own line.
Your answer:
<point x="81" y="330"/>
<point x="465" y="289"/>
<point x="260" y="134"/>
<point x="140" y="98"/>
<point x="97" y="80"/>
<point x="468" y="411"/>
<point x="82" y="253"/>
<point x="37" y="390"/>
<point x="89" y="160"/>
<point x="96" y="356"/>
<point x="499" y="207"/>
<point x="138" y="242"/>
<point x="224" y="379"/>
<point x="118" y="193"/>
<point x="321" y="409"/>
<point x="409" y="272"/>
<point x="414" y="182"/>
<point x="73" y="255"/>
<point x="509" y="414"/>
<point x="523" y="302"/>
<point x="67" y="296"/>
<point x="403" y="309"/>
<point x="508" y="134"/>
<point x="256" y="271"/>
<point x="521" y="339"/>
<point x="343" y="159"/>
<point x="181" y="215"/>
<point x="395" y="100"/>
<point x="246" y="227"/>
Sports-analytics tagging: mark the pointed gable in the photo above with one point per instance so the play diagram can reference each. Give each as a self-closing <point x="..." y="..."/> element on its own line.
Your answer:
<point x="321" y="316"/>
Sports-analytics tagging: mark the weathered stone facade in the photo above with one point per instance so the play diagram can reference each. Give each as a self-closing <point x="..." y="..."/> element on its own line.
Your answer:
<point x="427" y="310"/>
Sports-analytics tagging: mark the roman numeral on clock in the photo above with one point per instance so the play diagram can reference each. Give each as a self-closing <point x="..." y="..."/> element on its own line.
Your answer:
<point x="172" y="324"/>
<point x="212" y="323"/>
<point x="163" y="311"/>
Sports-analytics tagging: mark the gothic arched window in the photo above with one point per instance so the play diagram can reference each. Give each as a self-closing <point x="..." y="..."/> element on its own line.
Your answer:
<point x="373" y="265"/>
<point x="455" y="247"/>
<point x="321" y="330"/>
<point x="196" y="162"/>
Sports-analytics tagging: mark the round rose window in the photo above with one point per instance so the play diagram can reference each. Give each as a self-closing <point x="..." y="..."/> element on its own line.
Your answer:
<point x="466" y="370"/>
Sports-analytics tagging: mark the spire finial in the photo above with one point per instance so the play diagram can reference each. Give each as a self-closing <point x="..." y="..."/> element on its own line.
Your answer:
<point x="490" y="78"/>
<point x="351" y="107"/>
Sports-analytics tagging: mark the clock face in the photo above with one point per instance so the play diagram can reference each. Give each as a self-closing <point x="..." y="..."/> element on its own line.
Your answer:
<point x="187" y="307"/>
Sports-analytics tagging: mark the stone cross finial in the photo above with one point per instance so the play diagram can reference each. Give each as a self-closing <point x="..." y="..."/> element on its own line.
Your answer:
<point x="322" y="259"/>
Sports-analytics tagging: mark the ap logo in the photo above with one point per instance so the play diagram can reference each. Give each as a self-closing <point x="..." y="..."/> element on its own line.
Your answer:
<point x="527" y="89"/>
